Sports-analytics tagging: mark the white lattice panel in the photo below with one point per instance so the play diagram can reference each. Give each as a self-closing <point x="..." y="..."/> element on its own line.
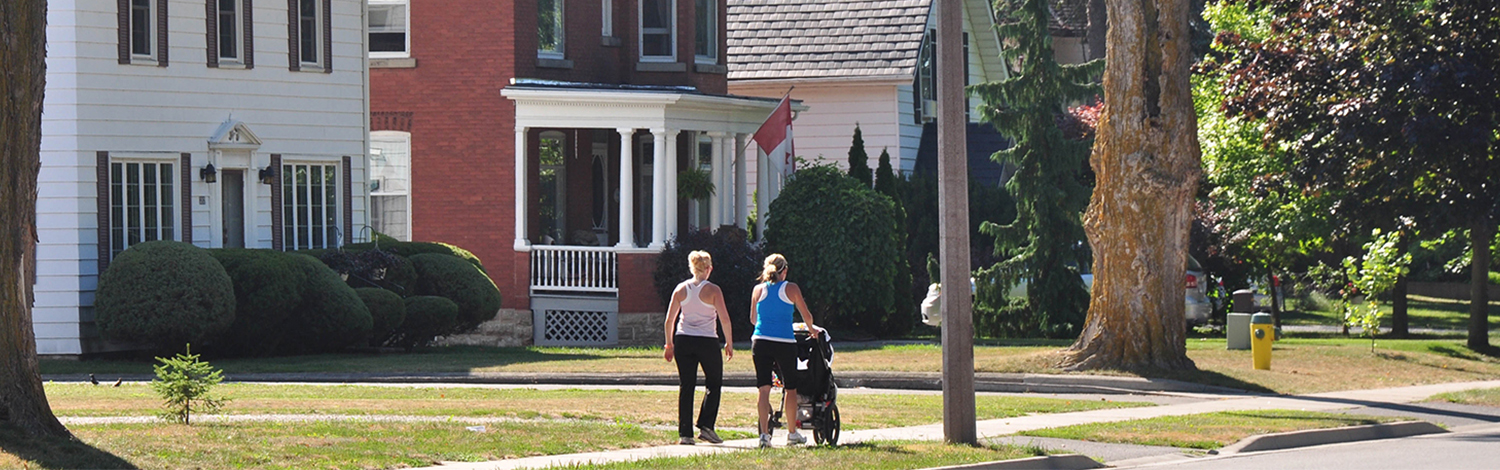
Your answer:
<point x="575" y="328"/>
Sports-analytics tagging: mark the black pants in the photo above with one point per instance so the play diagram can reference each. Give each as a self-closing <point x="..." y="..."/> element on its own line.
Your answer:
<point x="690" y="352"/>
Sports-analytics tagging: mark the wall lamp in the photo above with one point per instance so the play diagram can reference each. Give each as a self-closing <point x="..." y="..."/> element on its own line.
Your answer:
<point x="268" y="175"/>
<point x="209" y="174"/>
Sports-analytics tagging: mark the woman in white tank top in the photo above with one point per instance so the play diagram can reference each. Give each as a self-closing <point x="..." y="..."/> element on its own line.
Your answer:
<point x="693" y="318"/>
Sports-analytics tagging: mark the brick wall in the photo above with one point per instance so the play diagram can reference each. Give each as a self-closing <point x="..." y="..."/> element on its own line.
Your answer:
<point x="637" y="292"/>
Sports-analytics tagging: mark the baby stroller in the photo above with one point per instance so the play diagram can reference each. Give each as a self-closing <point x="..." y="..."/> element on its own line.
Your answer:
<point x="818" y="408"/>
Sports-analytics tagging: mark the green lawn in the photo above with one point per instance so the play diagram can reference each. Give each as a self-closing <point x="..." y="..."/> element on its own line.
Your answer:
<point x="1422" y="312"/>
<point x="1206" y="431"/>
<point x="1482" y="397"/>
<point x="888" y="455"/>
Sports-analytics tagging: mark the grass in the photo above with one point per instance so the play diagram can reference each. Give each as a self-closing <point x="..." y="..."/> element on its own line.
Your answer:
<point x="1421" y="312"/>
<point x="886" y="455"/>
<point x="1206" y="431"/>
<point x="1298" y="365"/>
<point x="274" y="445"/>
<point x="1482" y="397"/>
<point x="857" y="411"/>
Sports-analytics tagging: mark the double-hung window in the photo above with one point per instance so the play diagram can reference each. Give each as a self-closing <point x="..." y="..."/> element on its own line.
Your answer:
<point x="309" y="27"/>
<point x="706" y="32"/>
<point x="389" y="22"/>
<point x="141" y="202"/>
<point x="390" y="183"/>
<point x="658" y="30"/>
<point x="228" y="32"/>
<point x="309" y="205"/>
<point x="549" y="24"/>
<point x="142" y="29"/>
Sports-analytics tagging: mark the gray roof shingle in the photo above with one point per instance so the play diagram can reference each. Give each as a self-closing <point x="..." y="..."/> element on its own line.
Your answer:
<point x="771" y="39"/>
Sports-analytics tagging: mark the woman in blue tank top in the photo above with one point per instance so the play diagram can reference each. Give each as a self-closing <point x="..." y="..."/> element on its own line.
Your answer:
<point x="772" y="307"/>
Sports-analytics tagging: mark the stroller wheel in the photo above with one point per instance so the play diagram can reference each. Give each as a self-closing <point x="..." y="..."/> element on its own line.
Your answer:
<point x="827" y="431"/>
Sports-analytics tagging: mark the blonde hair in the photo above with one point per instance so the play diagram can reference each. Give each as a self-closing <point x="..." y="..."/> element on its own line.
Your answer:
<point x="699" y="262"/>
<point x="774" y="268"/>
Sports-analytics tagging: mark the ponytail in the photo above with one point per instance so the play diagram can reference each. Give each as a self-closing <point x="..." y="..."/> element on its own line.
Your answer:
<point x="774" y="269"/>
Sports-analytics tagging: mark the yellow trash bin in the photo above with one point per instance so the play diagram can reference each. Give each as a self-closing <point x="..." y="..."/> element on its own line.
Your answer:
<point x="1262" y="334"/>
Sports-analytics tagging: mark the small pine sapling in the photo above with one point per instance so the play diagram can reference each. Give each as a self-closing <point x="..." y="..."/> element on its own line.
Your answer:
<point x="184" y="383"/>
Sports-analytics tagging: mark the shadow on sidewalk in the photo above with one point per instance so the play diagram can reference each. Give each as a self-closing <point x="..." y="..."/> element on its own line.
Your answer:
<point x="1414" y="408"/>
<point x="57" y="453"/>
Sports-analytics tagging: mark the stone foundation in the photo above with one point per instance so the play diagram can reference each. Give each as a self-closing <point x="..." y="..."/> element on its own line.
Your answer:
<point x="642" y="329"/>
<point x="509" y="328"/>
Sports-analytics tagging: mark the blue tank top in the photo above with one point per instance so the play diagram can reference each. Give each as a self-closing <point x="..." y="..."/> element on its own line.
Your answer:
<point x="773" y="315"/>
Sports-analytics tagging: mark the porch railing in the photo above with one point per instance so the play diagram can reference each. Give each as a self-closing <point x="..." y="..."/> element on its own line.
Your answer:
<point x="574" y="269"/>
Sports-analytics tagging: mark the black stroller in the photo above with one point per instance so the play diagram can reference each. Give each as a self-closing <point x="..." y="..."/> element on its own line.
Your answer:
<point x="818" y="409"/>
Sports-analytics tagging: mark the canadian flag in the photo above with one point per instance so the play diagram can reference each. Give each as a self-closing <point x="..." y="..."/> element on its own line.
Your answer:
<point x="775" y="138"/>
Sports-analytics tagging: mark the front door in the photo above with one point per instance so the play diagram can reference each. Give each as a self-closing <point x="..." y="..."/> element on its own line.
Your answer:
<point x="233" y="209"/>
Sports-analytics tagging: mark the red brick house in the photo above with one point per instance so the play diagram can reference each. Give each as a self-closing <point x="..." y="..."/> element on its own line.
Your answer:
<point x="520" y="128"/>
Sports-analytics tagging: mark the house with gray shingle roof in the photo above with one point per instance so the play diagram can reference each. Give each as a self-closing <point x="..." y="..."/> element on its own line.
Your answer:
<point x="853" y="61"/>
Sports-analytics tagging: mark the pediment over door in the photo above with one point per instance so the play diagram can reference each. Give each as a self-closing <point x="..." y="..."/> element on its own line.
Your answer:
<point x="233" y="134"/>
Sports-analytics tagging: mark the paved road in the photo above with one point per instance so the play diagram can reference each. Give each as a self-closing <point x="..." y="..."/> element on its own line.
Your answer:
<point x="1469" y="448"/>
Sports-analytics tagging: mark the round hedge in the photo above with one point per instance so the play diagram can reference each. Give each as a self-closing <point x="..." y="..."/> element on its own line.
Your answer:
<point x="268" y="285"/>
<point x="164" y="293"/>
<point x="329" y="318"/>
<point x="449" y="276"/>
<point x="410" y="249"/>
<point x="427" y="317"/>
<point x="387" y="310"/>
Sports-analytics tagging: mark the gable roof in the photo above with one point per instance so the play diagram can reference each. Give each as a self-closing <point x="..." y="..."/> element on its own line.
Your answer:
<point x="1069" y="17"/>
<point x="773" y="39"/>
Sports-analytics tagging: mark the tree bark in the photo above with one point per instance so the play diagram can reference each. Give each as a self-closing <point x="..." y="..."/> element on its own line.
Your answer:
<point x="23" y="404"/>
<point x="1147" y="162"/>
<point x="1094" y="39"/>
<point x="1400" y="324"/>
<point x="1480" y="236"/>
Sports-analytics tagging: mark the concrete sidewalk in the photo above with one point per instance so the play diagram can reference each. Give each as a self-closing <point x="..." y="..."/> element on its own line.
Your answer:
<point x="991" y="429"/>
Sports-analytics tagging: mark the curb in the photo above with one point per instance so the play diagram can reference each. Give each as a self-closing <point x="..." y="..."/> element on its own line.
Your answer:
<point x="1046" y="462"/>
<point x="983" y="382"/>
<point x="1314" y="437"/>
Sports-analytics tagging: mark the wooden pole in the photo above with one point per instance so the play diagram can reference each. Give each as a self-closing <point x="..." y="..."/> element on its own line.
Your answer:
<point x="953" y="234"/>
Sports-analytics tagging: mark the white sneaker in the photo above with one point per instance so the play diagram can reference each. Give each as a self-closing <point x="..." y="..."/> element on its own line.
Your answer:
<point x="795" y="438"/>
<point x="765" y="441"/>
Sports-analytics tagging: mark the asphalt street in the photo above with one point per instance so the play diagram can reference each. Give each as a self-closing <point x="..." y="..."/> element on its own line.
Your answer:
<point x="1474" y="448"/>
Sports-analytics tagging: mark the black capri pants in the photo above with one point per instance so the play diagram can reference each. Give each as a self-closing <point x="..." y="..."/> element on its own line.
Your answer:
<point x="768" y="353"/>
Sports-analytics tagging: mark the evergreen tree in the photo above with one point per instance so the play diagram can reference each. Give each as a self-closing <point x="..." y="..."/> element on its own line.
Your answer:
<point x="1045" y="244"/>
<point x="905" y="304"/>
<point x="859" y="161"/>
<point x="885" y="176"/>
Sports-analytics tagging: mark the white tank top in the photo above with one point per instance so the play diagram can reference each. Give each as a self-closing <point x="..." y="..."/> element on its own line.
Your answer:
<point x="697" y="318"/>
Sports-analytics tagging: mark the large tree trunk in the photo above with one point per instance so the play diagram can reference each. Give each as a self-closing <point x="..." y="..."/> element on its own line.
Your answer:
<point x="1480" y="236"/>
<point x="1147" y="162"/>
<point x="1400" y="325"/>
<point x="23" y="33"/>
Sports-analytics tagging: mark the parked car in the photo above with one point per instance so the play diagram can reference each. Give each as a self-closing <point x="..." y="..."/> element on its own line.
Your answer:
<point x="1195" y="295"/>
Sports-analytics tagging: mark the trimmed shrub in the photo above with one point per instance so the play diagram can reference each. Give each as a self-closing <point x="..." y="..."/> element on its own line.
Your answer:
<point x="449" y="276"/>
<point x="164" y="293"/>
<point x="840" y="239"/>
<point x="427" y="317"/>
<point x="410" y="249"/>
<point x="387" y="310"/>
<point x="736" y="265"/>
<point x="268" y="285"/>
<point x="329" y="318"/>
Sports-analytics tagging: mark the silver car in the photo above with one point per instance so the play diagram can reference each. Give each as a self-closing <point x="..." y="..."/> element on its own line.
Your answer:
<point x="1195" y="297"/>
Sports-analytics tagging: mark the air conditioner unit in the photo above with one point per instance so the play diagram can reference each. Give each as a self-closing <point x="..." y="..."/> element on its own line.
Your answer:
<point x="929" y="110"/>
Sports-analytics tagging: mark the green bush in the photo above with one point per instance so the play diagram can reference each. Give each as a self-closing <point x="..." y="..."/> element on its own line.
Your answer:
<point x="737" y="264"/>
<point x="164" y="293"/>
<point x="268" y="285"/>
<point x="839" y="237"/>
<point x="387" y="310"/>
<point x="410" y="249"/>
<point x="427" y="317"/>
<point x="329" y="318"/>
<point x="448" y="276"/>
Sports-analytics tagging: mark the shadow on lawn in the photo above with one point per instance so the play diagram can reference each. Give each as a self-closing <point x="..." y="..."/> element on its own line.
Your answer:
<point x="56" y="453"/>
<point x="451" y="359"/>
<point x="1465" y="352"/>
<point x="1205" y="377"/>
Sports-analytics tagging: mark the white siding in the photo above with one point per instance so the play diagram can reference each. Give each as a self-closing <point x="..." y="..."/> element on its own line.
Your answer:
<point x="826" y="129"/>
<point x="94" y="104"/>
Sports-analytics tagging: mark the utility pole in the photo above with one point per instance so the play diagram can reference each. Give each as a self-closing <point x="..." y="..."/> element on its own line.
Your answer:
<point x="953" y="233"/>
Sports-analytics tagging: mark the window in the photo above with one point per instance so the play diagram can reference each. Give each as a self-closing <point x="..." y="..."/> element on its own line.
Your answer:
<point x="141" y="196"/>
<point x="700" y="211"/>
<point x="552" y="199"/>
<point x="308" y="34"/>
<point x="390" y="183"/>
<point x="925" y="89"/>
<point x="229" y="30"/>
<point x="309" y="206"/>
<point x="609" y="18"/>
<point x="549" y="24"/>
<point x="141" y="31"/>
<point x="388" y="24"/>
<point x="706" y="33"/>
<point x="658" y="33"/>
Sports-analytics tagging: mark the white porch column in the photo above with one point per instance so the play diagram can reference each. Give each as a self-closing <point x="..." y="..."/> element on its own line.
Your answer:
<point x="627" y="188"/>
<point x="716" y="201"/>
<point x="762" y="189"/>
<point x="658" y="188"/>
<point x="741" y="194"/>
<point x="521" y="242"/>
<point x="674" y="205"/>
